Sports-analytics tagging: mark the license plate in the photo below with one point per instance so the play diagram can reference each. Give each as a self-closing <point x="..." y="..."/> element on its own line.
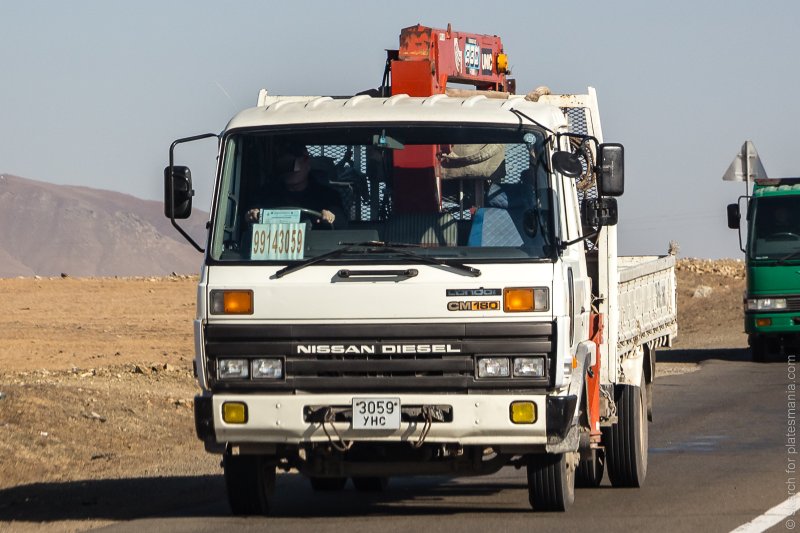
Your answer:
<point x="376" y="413"/>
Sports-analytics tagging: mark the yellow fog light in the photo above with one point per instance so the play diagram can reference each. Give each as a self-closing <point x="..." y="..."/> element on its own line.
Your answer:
<point x="234" y="413"/>
<point x="762" y="322"/>
<point x="231" y="302"/>
<point x="523" y="412"/>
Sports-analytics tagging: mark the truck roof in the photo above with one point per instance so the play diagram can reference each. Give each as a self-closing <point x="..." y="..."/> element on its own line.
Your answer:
<point x="284" y="110"/>
<point x="776" y="187"/>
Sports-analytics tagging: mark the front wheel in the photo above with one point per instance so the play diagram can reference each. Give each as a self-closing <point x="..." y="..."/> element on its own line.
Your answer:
<point x="551" y="482"/>
<point x="759" y="348"/>
<point x="250" y="482"/>
<point x="626" y="441"/>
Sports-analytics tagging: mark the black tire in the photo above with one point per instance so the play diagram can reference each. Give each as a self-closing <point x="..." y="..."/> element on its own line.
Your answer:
<point x="626" y="441"/>
<point x="589" y="473"/>
<point x="250" y="481"/>
<point x="759" y="349"/>
<point x="370" y="484"/>
<point x="551" y="482"/>
<point x="328" y="484"/>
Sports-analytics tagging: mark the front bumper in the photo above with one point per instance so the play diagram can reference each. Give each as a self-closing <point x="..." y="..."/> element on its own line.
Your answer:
<point x="781" y="323"/>
<point x="474" y="420"/>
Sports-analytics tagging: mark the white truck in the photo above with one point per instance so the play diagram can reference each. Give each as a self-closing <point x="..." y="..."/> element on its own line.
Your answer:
<point x="465" y="311"/>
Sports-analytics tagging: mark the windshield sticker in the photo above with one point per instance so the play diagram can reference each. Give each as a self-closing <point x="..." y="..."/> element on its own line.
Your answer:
<point x="473" y="292"/>
<point x="278" y="241"/>
<point x="279" y="216"/>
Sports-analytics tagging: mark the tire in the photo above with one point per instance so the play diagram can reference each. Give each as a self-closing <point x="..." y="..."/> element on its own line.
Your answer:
<point x="626" y="441"/>
<point x="370" y="484"/>
<point x="328" y="484"/>
<point x="589" y="473"/>
<point x="759" y="349"/>
<point x="250" y="481"/>
<point x="551" y="482"/>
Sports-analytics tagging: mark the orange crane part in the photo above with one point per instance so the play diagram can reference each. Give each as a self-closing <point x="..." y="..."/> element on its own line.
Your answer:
<point x="596" y="327"/>
<point x="429" y="59"/>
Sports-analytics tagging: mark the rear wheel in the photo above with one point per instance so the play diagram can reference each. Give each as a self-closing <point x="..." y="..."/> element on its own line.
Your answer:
<point x="626" y="441"/>
<point x="250" y="482"/>
<point x="551" y="482"/>
<point x="328" y="484"/>
<point x="370" y="484"/>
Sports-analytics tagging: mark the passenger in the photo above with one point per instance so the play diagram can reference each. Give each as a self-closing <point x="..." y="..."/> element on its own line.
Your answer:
<point x="297" y="187"/>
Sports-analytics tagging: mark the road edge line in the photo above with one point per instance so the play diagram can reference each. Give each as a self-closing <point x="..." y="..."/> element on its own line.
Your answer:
<point x="784" y="509"/>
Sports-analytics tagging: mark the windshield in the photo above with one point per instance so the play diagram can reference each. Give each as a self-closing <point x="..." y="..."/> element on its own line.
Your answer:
<point x="775" y="227"/>
<point x="453" y="193"/>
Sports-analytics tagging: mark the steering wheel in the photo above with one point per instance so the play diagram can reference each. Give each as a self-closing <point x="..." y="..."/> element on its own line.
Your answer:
<point x="785" y="234"/>
<point x="316" y="215"/>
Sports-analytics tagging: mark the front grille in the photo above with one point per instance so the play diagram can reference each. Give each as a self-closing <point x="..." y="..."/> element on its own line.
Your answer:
<point x="402" y="357"/>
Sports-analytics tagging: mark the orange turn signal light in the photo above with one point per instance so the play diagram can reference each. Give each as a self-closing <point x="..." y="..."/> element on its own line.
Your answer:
<point x="763" y="322"/>
<point x="232" y="302"/>
<point x="517" y="300"/>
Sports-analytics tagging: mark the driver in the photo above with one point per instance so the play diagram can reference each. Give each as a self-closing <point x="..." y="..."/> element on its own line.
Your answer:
<point x="782" y="221"/>
<point x="297" y="187"/>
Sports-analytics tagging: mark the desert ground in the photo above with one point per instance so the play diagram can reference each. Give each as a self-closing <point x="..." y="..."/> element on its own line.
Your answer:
<point x="96" y="390"/>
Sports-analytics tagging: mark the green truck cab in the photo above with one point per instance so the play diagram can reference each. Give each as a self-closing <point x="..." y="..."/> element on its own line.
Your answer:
<point x="772" y="251"/>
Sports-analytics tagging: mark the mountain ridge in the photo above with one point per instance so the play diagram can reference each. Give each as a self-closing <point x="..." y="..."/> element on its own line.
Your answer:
<point x="51" y="229"/>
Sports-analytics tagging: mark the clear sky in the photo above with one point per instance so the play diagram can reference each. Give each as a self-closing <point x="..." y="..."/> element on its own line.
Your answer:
<point x="93" y="92"/>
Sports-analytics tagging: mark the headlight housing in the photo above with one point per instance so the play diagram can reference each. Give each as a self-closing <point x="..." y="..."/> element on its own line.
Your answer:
<point x="493" y="367"/>
<point x="765" y="304"/>
<point x="267" y="368"/>
<point x="233" y="369"/>
<point x="529" y="367"/>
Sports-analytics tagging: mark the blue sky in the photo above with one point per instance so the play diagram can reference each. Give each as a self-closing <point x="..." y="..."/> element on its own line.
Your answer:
<point x="93" y="92"/>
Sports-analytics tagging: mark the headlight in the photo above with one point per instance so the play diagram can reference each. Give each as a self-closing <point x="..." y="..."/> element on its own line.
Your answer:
<point x="766" y="304"/>
<point x="529" y="367"/>
<point x="232" y="368"/>
<point x="493" y="367"/>
<point x="267" y="368"/>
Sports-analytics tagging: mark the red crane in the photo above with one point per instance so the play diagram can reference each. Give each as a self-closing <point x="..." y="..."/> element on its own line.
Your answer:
<point x="428" y="60"/>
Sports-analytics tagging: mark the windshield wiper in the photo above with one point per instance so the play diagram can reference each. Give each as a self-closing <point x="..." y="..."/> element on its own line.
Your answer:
<point x="379" y="246"/>
<point x="792" y="255"/>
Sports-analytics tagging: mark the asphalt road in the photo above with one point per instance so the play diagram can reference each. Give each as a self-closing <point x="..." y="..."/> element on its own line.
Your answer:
<point x="718" y="459"/>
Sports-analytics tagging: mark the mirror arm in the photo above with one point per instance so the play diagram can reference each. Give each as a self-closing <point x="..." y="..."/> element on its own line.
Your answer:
<point x="172" y="186"/>
<point x="564" y="244"/>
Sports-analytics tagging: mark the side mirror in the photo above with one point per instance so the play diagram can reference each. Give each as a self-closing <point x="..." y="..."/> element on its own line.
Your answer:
<point x="734" y="216"/>
<point x="599" y="212"/>
<point x="567" y="163"/>
<point x="178" y="192"/>
<point x="611" y="157"/>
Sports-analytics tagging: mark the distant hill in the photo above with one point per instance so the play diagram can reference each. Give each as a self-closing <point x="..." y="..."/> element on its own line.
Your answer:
<point x="48" y="229"/>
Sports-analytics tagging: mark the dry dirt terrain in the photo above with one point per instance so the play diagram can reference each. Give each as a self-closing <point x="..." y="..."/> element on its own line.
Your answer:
<point x="96" y="389"/>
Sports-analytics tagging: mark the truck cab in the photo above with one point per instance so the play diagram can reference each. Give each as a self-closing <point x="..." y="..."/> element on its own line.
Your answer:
<point x="772" y="299"/>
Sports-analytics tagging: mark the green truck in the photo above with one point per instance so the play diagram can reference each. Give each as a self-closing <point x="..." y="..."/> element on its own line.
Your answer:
<point x="772" y="251"/>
